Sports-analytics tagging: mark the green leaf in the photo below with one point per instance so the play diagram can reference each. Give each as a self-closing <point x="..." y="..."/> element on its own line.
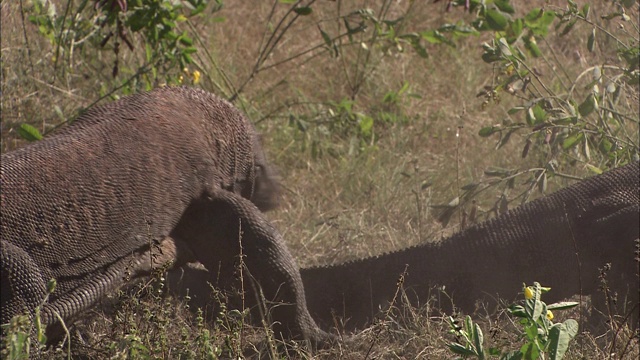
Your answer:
<point x="515" y="30"/>
<point x="559" y="337"/>
<point x="478" y="340"/>
<point x="588" y="105"/>
<point x="591" y="40"/>
<point x="366" y="124"/>
<point x="304" y="11"/>
<point x="489" y="130"/>
<point x="538" y="21"/>
<point x="531" y="45"/>
<point x="505" y="49"/>
<point x="29" y="132"/>
<point x="530" y="351"/>
<point x="498" y="172"/>
<point x="568" y="27"/>
<point x="460" y="350"/>
<point x="517" y="310"/>
<point x="536" y="115"/>
<point x="573" y="140"/>
<point x="496" y="19"/>
<point x="534" y="306"/>
<point x="326" y="38"/>
<point x="515" y="110"/>
<point x="605" y="146"/>
<point x="563" y="305"/>
<point x="504" y="6"/>
<point x="594" y="169"/>
<point x="186" y="40"/>
<point x="432" y="36"/>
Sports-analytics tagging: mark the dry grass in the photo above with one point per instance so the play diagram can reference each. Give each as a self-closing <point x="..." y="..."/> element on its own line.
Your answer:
<point x="343" y="200"/>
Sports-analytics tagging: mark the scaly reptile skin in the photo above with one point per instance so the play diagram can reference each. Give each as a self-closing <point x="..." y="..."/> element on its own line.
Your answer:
<point x="559" y="240"/>
<point x="86" y="205"/>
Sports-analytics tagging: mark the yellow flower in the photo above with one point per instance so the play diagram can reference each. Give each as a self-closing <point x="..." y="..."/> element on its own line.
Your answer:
<point x="196" y="77"/>
<point x="549" y="315"/>
<point x="180" y="79"/>
<point x="528" y="293"/>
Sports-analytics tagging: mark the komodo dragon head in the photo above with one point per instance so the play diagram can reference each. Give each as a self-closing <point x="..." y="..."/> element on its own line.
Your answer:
<point x="262" y="185"/>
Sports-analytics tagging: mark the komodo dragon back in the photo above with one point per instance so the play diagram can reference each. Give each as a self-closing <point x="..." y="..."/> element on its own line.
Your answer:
<point x="84" y="205"/>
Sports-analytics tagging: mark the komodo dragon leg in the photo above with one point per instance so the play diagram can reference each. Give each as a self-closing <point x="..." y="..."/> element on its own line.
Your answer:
<point x="23" y="287"/>
<point x="219" y="228"/>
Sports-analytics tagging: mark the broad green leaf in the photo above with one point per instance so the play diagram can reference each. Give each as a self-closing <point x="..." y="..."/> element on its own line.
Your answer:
<point x="536" y="115"/>
<point x="478" y="340"/>
<point x="496" y="19"/>
<point x="489" y="130"/>
<point x="504" y="5"/>
<point x="531" y="45"/>
<point x="515" y="30"/>
<point x="534" y="306"/>
<point x="538" y="21"/>
<point x="432" y="36"/>
<point x="505" y="49"/>
<point x="559" y="337"/>
<point x="588" y="105"/>
<point x="461" y="350"/>
<point x="562" y="305"/>
<point x="529" y="351"/>
<point x="185" y="39"/>
<point x="517" y="310"/>
<point x="573" y="140"/>
<point x="29" y="132"/>
<point x="305" y="10"/>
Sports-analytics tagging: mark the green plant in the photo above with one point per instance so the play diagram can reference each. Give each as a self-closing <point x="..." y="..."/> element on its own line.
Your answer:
<point x="109" y="23"/>
<point x="540" y="334"/>
<point x="567" y="116"/>
<point x="590" y="126"/>
<point x="21" y="330"/>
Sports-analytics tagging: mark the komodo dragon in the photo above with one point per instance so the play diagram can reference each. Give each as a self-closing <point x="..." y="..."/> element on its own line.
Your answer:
<point x="84" y="206"/>
<point x="559" y="240"/>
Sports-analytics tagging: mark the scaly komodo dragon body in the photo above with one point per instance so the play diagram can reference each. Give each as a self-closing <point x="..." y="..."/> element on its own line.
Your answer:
<point x="86" y="205"/>
<point x="560" y="240"/>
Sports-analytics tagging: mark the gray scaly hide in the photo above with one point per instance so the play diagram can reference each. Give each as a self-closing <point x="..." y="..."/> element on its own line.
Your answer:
<point x="560" y="241"/>
<point x="89" y="204"/>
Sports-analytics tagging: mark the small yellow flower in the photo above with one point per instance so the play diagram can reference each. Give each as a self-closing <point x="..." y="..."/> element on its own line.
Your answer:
<point x="528" y="293"/>
<point x="186" y="70"/>
<point x="549" y="315"/>
<point x="509" y="70"/>
<point x="180" y="79"/>
<point x="196" y="77"/>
